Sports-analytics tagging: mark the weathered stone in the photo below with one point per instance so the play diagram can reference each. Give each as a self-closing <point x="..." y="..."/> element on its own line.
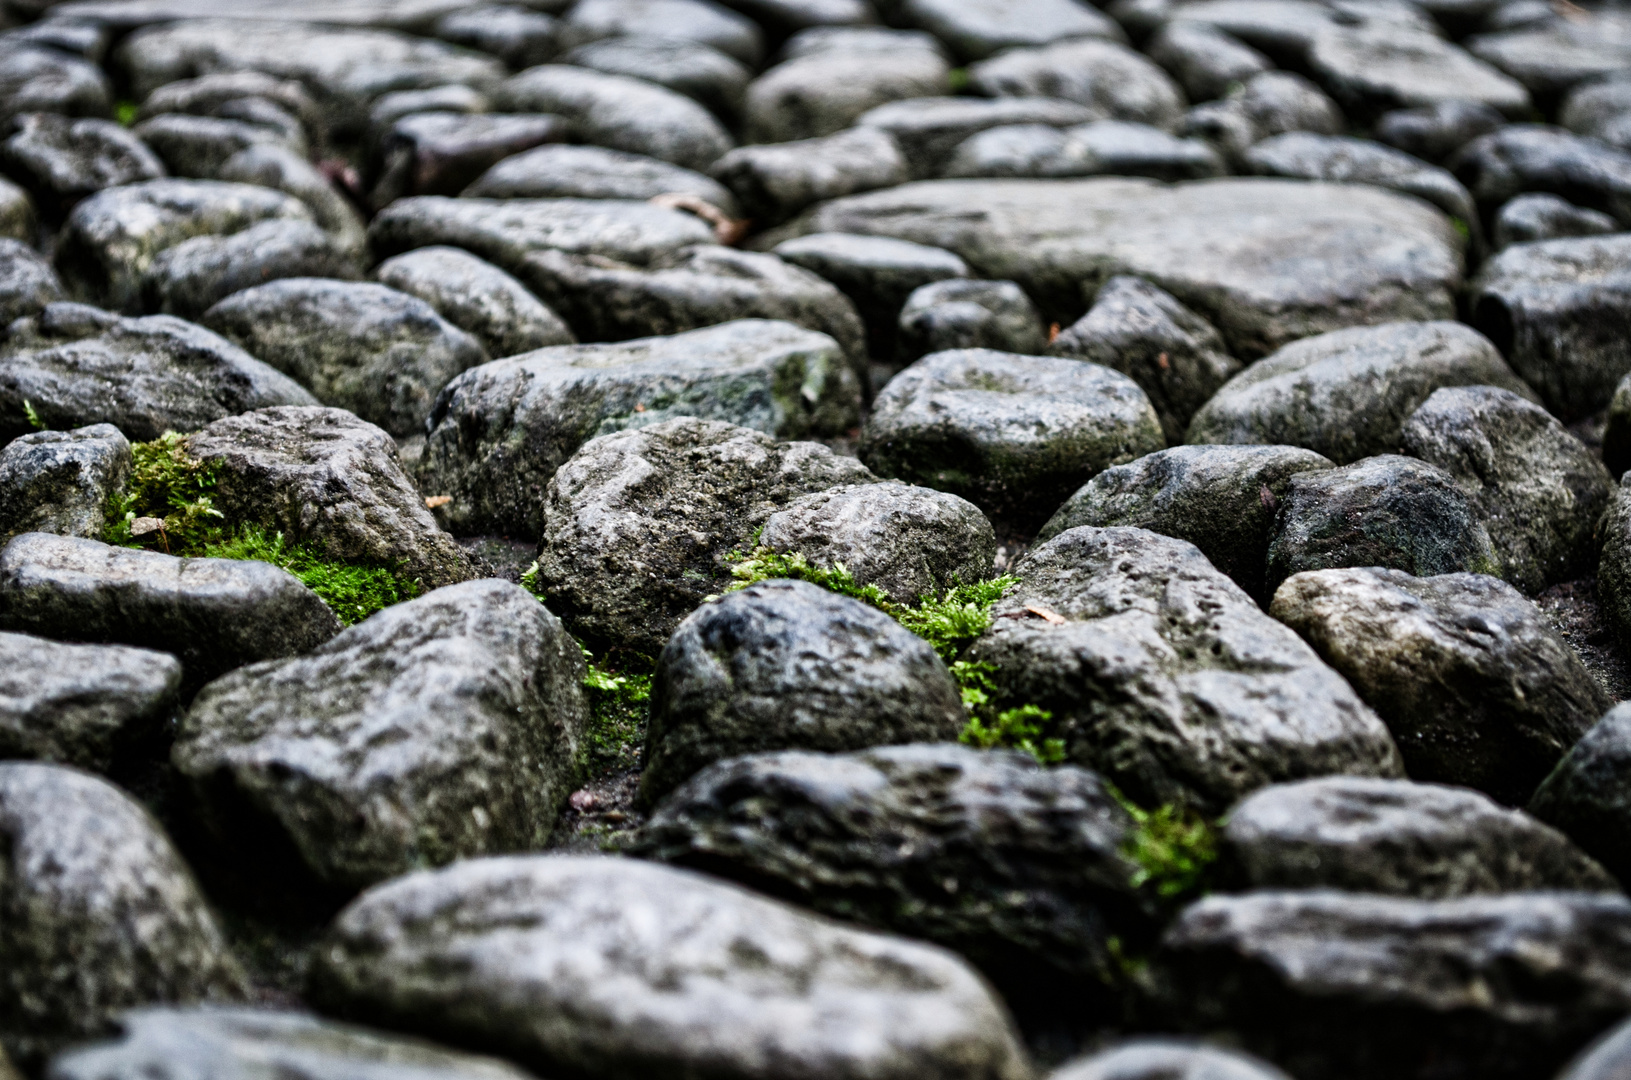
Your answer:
<point x="279" y="167"/>
<point x="1586" y="794"/>
<point x="1017" y="868"/>
<point x="436" y="153"/>
<point x="60" y="481"/>
<point x="784" y="17"/>
<point x="36" y="79"/>
<point x="387" y="109"/>
<point x="1212" y="496"/>
<point x="477" y="297"/>
<point x="1347" y="394"/>
<point x="1265" y="261"/>
<point x="222" y="93"/>
<point x="1340" y="159"/>
<point x="1205" y="61"/>
<point x="198" y="146"/>
<point x="1168" y="1059"/>
<point x="84" y="705"/>
<point x="786" y="665"/>
<point x="324" y="477"/>
<point x="1104" y="147"/>
<point x="593" y="172"/>
<point x="629" y="545"/>
<point x="76" y="365"/>
<point x="520" y="37"/>
<point x="1370" y="987"/>
<point x="382" y="354"/>
<point x="1370" y="69"/>
<point x="101" y="914"/>
<point x="974" y="29"/>
<point x="1614" y="566"/>
<point x="1012" y="434"/>
<point x="825" y="91"/>
<point x="1538" y="489"/>
<point x="1166" y="678"/>
<point x="63" y="160"/>
<point x="1600" y="109"/>
<point x="1555" y="55"/>
<point x="1523" y="158"/>
<point x="228" y="1043"/>
<point x="1435" y="132"/>
<point x="1269" y="104"/>
<point x="707" y="76"/>
<point x="687" y="20"/>
<point x="193" y="276"/>
<point x="1175" y="356"/>
<point x="1560" y="311"/>
<point x="1107" y="77"/>
<point x="1394" y="837"/>
<point x="499" y="432"/>
<point x="1528" y="218"/>
<point x="214" y="615"/>
<point x="929" y="130"/>
<point x="441" y="728"/>
<point x="1605" y="1059"/>
<point x="619" y="112"/>
<point x="27" y="282"/>
<point x="962" y="313"/>
<point x="776" y="182"/>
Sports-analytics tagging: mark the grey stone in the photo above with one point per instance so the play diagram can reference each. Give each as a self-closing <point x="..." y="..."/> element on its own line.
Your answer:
<point x="387" y="109"/>
<point x="1559" y="310"/>
<point x="1370" y="69"/>
<point x="776" y="182"/>
<point x="1616" y="446"/>
<point x="222" y="92"/>
<point x="929" y="130"/>
<point x="1348" y="393"/>
<point x="593" y="172"/>
<point x="824" y="92"/>
<point x="1398" y="838"/>
<point x="1017" y="868"/>
<point x="1222" y="499"/>
<point x="1265" y="261"/>
<point x="705" y="75"/>
<point x="60" y="481"/>
<point x="1522" y="158"/>
<point x="1528" y="218"/>
<point x="1600" y="109"/>
<point x="77" y="365"/>
<point x="1585" y="795"/>
<point x="198" y="146"/>
<point x="280" y="168"/>
<point x="1104" y="147"/>
<point x="437" y="153"/>
<point x="1604" y="1059"/>
<point x="63" y="160"/>
<point x="975" y="29"/>
<point x="38" y="79"/>
<point x="403" y="15"/>
<point x="101" y="914"/>
<point x="1107" y="77"/>
<point x="514" y="33"/>
<point x="214" y="615"/>
<point x="1342" y="159"/>
<point x="911" y="542"/>
<point x="442" y="728"/>
<point x="1012" y="434"/>
<point x="1553" y="57"/>
<point x="1435" y="132"/>
<point x="1286" y="29"/>
<point x="1271" y="103"/>
<point x="1205" y="61"/>
<point x="382" y="354"/>
<point x="1614" y="568"/>
<point x="1332" y="984"/>
<point x="1167" y="679"/>
<point x="784" y="17"/>
<point x="1538" y="489"/>
<point x="1175" y="356"/>
<point x="324" y="477"/>
<point x="620" y="113"/>
<point x="27" y="282"/>
<point x="628" y="550"/>
<point x="112" y="239"/>
<point x="477" y="297"/>
<point x="688" y="20"/>
<point x="1384" y="511"/>
<point x="963" y="313"/>
<point x="1168" y="1059"/>
<point x="227" y="1043"/>
<point x="531" y="956"/>
<point x="17" y="220"/>
<point x="82" y="705"/>
<point x="871" y="40"/>
<point x="190" y="278"/>
<point x="499" y="432"/>
<point x="80" y="37"/>
<point x="1472" y="680"/>
<point x="786" y="665"/>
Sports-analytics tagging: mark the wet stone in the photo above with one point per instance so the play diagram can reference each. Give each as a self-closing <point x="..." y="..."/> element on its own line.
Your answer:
<point x="191" y="277"/>
<point x="1528" y="218"/>
<point x="198" y="146"/>
<point x="60" y="481"/>
<point x="40" y="79"/>
<point x="278" y="167"/>
<point x="477" y="297"/>
<point x="1524" y="158"/>
<point x="1370" y="69"/>
<point x="967" y="313"/>
<point x="777" y="181"/>
<point x="1585" y="795"/>
<point x="62" y="160"/>
<point x="443" y="153"/>
<point x="593" y="172"/>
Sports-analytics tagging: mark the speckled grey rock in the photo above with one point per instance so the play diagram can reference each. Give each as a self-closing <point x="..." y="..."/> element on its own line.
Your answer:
<point x="686" y="20"/>
<point x="27" y="282"/>
<point x="198" y="146"/>
<point x="1017" y="868"/>
<point x="1559" y="310"/>
<point x="1600" y="109"/>
<point x="62" y="160"/>
<point x="1144" y="332"/>
<point x="1205" y="61"/>
<point x="1586" y="794"/>
<point x="387" y="109"/>
<point x="975" y="29"/>
<point x="324" y="477"/>
<point x="477" y="297"/>
<point x="825" y="91"/>
<point x="1604" y="1059"/>
<point x="1394" y="837"/>
<point x="1555" y="54"/>
<point x="1167" y="1059"/>
<point x="775" y="182"/>
<point x="1343" y="159"/>
<point x="83" y="705"/>
<point x="1265" y="261"/>
<point x="1104" y="147"/>
<point x="1370" y="69"/>
<point x="785" y="17"/>
<point x="112" y="238"/>
<point x="929" y="130"/>
<point x="1435" y="132"/>
<point x="1332" y="984"/>
<point x="629" y="549"/>
<point x="1222" y="499"/>
<point x="1107" y="77"/>
<point x="101" y="914"/>
<point x="382" y="354"/>
<point x="964" y="313"/>
<point x="442" y="728"/>
<point x="911" y="542"/>
<point x="1346" y="394"/>
<point x="1614" y="567"/>
<point x="621" y="113"/>
<point x="78" y="365"/>
<point x="60" y="481"/>
<point x="1012" y="434"/>
<point x="514" y="33"/>
<point x="1472" y="680"/>
<point x="593" y="172"/>
<point x="1523" y="158"/>
<point x="223" y="93"/>
<point x="1271" y="103"/>
<point x="212" y="614"/>
<point x="499" y="431"/>
<point x="1167" y="679"/>
<point x="279" y="167"/>
<point x="787" y="665"/>
<point x="237" y="1043"/>
<point x="1528" y="218"/>
<point x="17" y="219"/>
<point x="442" y="153"/>
<point x="1538" y="490"/>
<point x="38" y="79"/>
<point x="531" y="956"/>
<point x="704" y="74"/>
<point x="191" y="277"/>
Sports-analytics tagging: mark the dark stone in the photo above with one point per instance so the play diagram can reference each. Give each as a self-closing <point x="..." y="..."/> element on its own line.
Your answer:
<point x="685" y="20"/>
<point x="929" y="130"/>
<point x="198" y="146"/>
<point x="1265" y="105"/>
<point x="1606" y="1059"/>
<point x="1600" y="109"/>
<point x="279" y="167"/>
<point x="62" y="160"/>
<point x="1586" y="795"/>
<point x="1205" y="61"/>
<point x="1369" y="69"/>
<point x="1522" y="158"/>
<point x="227" y="93"/>
<point x="478" y="298"/>
<point x="593" y="172"/>
<point x="1168" y="1059"/>
<point x="775" y="182"/>
<point x="27" y="282"/>
<point x="39" y="79"/>
<point x="705" y="75"/>
<point x="1341" y="159"/>
<point x="514" y="33"/>
<point x="61" y="481"/>
<point x="1528" y="218"/>
<point x="442" y="153"/>
<point x="1435" y="132"/>
<point x="1107" y="77"/>
<point x="191" y="277"/>
<point x="1104" y="147"/>
<point x="1616" y="447"/>
<point x="837" y="78"/>
<point x="975" y="29"/>
<point x="965" y="313"/>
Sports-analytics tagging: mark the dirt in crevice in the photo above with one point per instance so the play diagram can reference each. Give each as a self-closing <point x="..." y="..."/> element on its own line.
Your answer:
<point x="1574" y="612"/>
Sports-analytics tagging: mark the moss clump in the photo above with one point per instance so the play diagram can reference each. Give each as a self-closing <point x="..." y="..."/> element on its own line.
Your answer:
<point x="125" y="112"/>
<point x="354" y="592"/>
<point x="1173" y="847"/>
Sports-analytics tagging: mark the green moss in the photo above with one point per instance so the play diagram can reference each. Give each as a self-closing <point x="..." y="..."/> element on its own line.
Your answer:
<point x="619" y="707"/>
<point x="33" y="416"/>
<point x="1461" y="228"/>
<point x="1173" y="847"/>
<point x="954" y="619"/>
<point x="125" y="112"/>
<point x="957" y="80"/>
<point x="354" y="592"/>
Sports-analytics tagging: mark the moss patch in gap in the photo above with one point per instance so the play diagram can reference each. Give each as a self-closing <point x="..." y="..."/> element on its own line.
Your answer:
<point x="1174" y="848"/>
<point x="125" y="112"/>
<point x="354" y="592"/>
